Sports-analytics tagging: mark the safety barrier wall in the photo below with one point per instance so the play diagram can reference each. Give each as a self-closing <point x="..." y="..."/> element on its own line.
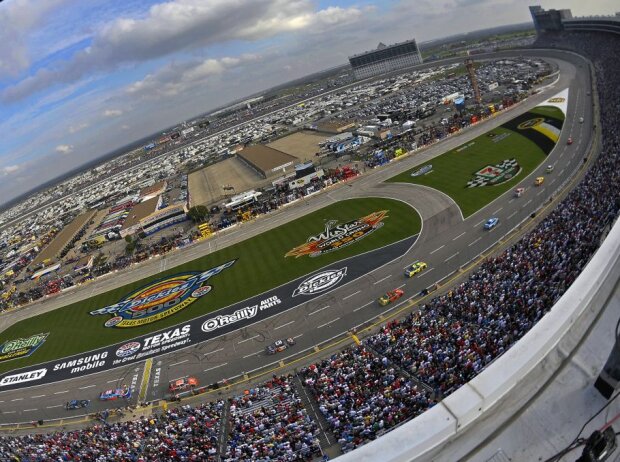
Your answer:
<point x="454" y="428"/>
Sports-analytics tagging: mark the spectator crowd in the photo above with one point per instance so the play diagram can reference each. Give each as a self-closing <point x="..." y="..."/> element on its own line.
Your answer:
<point x="181" y="434"/>
<point x="402" y="370"/>
<point x="269" y="423"/>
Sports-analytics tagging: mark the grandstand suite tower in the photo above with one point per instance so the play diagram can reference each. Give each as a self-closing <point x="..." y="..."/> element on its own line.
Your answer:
<point x="385" y="58"/>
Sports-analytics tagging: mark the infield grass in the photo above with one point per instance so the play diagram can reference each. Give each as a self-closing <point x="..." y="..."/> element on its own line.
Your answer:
<point x="453" y="169"/>
<point x="261" y="266"/>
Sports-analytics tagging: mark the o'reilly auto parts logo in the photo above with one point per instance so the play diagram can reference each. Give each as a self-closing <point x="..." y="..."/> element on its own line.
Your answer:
<point x="128" y="349"/>
<point x="320" y="282"/>
<point x="336" y="236"/>
<point x="21" y="347"/>
<point x="23" y="377"/>
<point x="160" y="299"/>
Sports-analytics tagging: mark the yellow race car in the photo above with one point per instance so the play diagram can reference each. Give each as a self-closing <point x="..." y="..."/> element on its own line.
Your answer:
<point x="414" y="269"/>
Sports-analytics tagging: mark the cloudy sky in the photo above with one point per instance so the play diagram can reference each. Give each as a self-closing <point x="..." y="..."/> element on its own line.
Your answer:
<point x="81" y="78"/>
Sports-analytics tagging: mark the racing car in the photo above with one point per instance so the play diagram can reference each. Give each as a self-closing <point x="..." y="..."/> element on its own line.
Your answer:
<point x="391" y="296"/>
<point x="414" y="268"/>
<point x="519" y="192"/>
<point x="77" y="404"/>
<point x="491" y="223"/>
<point x="279" y="345"/>
<point x="569" y="140"/>
<point x="182" y="384"/>
<point x="111" y="395"/>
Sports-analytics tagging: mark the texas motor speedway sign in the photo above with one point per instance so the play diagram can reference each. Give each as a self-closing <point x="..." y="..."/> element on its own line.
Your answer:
<point x="193" y="333"/>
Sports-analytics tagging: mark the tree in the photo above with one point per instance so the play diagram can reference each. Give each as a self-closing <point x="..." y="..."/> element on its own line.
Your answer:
<point x="198" y="213"/>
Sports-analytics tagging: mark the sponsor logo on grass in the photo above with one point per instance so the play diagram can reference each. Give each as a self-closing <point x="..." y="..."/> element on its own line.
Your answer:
<point x="531" y="123"/>
<point x="128" y="349"/>
<point x="247" y="312"/>
<point x="160" y="299"/>
<point x="320" y="282"/>
<point x="23" y="377"/>
<point x="495" y="174"/>
<point x="422" y="171"/>
<point x="21" y="347"/>
<point x="337" y="236"/>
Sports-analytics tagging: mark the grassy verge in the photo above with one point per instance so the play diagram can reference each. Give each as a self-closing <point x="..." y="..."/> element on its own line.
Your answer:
<point x="261" y="265"/>
<point x="452" y="170"/>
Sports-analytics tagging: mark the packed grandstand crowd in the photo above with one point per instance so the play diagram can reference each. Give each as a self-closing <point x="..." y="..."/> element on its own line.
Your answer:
<point x="365" y="390"/>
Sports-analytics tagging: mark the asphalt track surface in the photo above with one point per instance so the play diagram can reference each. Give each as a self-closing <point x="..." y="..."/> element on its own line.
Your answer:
<point x="446" y="242"/>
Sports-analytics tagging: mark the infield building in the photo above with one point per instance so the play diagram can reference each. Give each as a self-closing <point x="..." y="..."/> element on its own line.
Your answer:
<point x="385" y="58"/>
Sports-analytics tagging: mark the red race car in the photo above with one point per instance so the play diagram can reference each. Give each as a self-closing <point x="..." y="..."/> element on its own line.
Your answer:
<point x="182" y="384"/>
<point x="569" y="140"/>
<point x="391" y="296"/>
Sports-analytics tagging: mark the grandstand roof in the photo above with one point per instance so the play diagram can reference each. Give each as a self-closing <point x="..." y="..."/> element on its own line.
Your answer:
<point x="266" y="159"/>
<point x="140" y="211"/>
<point x="63" y="238"/>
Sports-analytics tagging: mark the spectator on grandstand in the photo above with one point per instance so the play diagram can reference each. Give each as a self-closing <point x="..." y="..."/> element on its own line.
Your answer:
<point x="269" y="423"/>
<point x="183" y="434"/>
<point x="361" y="395"/>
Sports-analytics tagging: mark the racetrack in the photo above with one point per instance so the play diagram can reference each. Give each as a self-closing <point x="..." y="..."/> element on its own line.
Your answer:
<point x="446" y="243"/>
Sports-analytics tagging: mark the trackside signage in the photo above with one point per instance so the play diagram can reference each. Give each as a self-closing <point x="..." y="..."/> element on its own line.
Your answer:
<point x="320" y="282"/>
<point x="192" y="333"/>
<point x="23" y="377"/>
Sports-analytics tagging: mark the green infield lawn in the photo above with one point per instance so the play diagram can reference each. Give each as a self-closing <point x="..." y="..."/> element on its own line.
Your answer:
<point x="261" y="265"/>
<point x="452" y="170"/>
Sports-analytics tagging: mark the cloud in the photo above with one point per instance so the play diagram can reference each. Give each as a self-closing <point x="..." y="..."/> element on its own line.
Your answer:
<point x="64" y="148"/>
<point x="177" y="78"/>
<point x="112" y="112"/>
<point x="17" y="19"/>
<point x="77" y="127"/>
<point x="9" y="169"/>
<point x="183" y="25"/>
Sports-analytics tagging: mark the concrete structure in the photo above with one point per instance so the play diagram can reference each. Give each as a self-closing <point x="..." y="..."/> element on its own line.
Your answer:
<point x="385" y="59"/>
<point x="267" y="162"/>
<point x="549" y="20"/>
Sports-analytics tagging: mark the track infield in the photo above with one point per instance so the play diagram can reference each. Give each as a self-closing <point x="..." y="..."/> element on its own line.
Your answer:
<point x="477" y="172"/>
<point x="259" y="264"/>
